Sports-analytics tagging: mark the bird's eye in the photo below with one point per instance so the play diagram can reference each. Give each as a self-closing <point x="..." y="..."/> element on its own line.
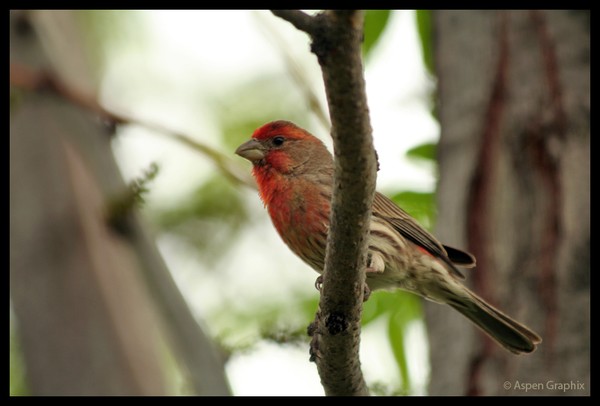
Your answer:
<point x="278" y="141"/>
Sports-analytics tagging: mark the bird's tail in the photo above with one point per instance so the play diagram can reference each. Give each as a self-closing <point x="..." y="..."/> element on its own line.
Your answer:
<point x="509" y="333"/>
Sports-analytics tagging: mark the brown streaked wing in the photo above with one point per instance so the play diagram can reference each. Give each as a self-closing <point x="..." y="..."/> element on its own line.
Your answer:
<point x="384" y="208"/>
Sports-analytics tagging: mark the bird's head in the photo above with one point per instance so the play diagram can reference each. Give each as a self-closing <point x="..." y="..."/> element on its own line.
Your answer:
<point x="283" y="147"/>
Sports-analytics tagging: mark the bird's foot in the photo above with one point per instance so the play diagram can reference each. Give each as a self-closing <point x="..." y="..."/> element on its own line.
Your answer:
<point x="319" y="283"/>
<point x="366" y="292"/>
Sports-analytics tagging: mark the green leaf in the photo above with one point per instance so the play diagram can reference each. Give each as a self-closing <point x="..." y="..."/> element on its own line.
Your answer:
<point x="396" y="335"/>
<point x="400" y="308"/>
<point x="372" y="309"/>
<point x="425" y="37"/>
<point x="408" y="310"/>
<point x="375" y="23"/>
<point x="420" y="205"/>
<point x="425" y="151"/>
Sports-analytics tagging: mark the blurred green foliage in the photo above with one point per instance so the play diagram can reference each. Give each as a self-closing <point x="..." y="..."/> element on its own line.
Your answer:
<point x="425" y="32"/>
<point x="240" y="329"/>
<point x="424" y="152"/>
<point x="17" y="385"/>
<point x="407" y="310"/>
<point x="375" y="23"/>
<point x="107" y="31"/>
<point x="420" y="205"/>
<point x="424" y="29"/>
<point x="207" y="219"/>
<point x="258" y="101"/>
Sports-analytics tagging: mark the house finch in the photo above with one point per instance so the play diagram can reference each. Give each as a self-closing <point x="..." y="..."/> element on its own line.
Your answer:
<point x="294" y="173"/>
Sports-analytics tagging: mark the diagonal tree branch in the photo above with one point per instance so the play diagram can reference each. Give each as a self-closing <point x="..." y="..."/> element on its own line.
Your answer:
<point x="299" y="19"/>
<point x="336" y="41"/>
<point x="22" y="76"/>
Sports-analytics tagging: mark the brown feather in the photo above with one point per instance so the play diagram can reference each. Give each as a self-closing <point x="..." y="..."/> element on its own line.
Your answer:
<point x="386" y="209"/>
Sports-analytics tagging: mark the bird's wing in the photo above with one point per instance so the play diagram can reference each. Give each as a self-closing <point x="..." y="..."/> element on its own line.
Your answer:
<point x="410" y="229"/>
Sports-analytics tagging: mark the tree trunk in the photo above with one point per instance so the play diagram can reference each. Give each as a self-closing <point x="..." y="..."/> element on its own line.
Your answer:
<point x="514" y="104"/>
<point x="90" y="297"/>
<point x="83" y="315"/>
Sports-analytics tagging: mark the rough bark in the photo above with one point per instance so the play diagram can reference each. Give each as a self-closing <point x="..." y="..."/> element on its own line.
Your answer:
<point x="336" y="41"/>
<point x="514" y="104"/>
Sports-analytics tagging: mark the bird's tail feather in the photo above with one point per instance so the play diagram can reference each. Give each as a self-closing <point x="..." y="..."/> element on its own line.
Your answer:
<point x="509" y="333"/>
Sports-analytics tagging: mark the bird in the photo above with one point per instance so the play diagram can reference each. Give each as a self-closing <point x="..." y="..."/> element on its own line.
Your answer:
<point x="293" y="170"/>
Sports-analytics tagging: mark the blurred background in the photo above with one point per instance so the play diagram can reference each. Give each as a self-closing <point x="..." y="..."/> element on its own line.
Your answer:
<point x="192" y="86"/>
<point x="215" y="76"/>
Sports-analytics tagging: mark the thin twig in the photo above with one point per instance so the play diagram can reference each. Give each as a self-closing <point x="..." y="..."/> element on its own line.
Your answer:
<point x="23" y="77"/>
<point x="299" y="19"/>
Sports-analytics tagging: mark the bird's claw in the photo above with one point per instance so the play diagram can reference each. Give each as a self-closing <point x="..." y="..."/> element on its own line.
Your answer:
<point x="319" y="286"/>
<point x="319" y="283"/>
<point x="366" y="293"/>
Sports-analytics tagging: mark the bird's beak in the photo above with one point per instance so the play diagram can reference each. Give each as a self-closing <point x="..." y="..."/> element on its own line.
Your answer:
<point x="252" y="150"/>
